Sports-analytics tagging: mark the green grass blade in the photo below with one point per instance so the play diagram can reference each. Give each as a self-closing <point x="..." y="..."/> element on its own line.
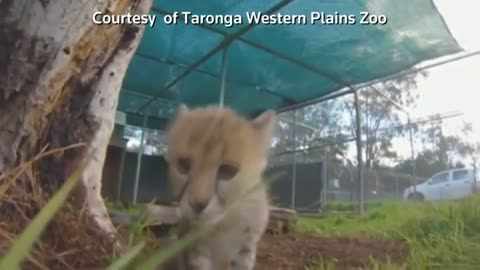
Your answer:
<point x="30" y="235"/>
<point x="126" y="258"/>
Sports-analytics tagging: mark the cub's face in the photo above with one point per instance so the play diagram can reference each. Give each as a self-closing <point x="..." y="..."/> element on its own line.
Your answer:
<point x="214" y="155"/>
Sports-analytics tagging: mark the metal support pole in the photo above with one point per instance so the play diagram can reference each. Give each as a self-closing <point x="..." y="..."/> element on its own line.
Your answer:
<point x="139" y="160"/>
<point x="359" y="153"/>
<point x="224" y="76"/>
<point x="412" y="150"/>
<point x="294" y="168"/>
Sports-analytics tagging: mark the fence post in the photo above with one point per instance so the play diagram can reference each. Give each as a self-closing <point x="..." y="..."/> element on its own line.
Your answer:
<point x="396" y="185"/>
<point x="139" y="160"/>
<point x="359" y="152"/>
<point x="324" y="192"/>
<point x="294" y="169"/>
<point x="120" y="175"/>
<point x="412" y="150"/>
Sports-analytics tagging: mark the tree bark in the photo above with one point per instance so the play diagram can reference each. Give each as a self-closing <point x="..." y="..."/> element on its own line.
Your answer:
<point x="60" y="77"/>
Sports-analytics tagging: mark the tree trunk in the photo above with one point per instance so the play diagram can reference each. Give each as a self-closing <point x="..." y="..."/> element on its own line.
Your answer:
<point x="60" y="77"/>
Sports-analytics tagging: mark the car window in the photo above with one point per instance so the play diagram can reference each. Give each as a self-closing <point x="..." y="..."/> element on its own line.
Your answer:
<point x="440" y="178"/>
<point x="460" y="175"/>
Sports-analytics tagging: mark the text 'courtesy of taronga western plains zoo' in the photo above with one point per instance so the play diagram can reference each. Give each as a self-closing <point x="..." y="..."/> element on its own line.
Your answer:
<point x="319" y="18"/>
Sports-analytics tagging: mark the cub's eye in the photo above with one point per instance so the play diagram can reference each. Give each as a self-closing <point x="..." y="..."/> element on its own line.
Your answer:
<point x="226" y="172"/>
<point x="183" y="165"/>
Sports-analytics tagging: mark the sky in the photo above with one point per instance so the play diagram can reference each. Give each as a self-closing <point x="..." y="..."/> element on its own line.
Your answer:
<point x="453" y="87"/>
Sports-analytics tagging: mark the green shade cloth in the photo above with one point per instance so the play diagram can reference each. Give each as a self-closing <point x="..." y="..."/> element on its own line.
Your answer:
<point x="258" y="79"/>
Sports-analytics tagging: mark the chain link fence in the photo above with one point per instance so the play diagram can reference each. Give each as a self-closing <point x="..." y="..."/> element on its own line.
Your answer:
<point x="313" y="162"/>
<point x="315" y="185"/>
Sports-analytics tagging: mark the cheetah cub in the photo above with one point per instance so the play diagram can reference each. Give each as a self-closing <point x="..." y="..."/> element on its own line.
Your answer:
<point x="216" y="160"/>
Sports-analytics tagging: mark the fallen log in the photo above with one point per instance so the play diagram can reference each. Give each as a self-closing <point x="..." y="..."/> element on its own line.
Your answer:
<point x="281" y="220"/>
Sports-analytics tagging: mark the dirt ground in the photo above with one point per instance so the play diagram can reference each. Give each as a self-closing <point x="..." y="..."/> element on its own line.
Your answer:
<point x="298" y="251"/>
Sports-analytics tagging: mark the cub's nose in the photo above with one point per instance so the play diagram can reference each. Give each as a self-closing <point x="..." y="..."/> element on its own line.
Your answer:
<point x="198" y="207"/>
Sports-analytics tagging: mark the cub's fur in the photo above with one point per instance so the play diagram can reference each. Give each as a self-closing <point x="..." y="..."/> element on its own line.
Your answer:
<point x="217" y="158"/>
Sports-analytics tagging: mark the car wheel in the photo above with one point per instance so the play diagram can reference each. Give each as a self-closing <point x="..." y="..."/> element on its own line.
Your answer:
<point x="417" y="196"/>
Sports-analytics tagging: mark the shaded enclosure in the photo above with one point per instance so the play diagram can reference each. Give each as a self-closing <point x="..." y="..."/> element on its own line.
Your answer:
<point x="153" y="182"/>
<point x="308" y="185"/>
<point x="310" y="178"/>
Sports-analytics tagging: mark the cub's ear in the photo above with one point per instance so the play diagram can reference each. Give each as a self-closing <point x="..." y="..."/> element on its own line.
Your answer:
<point x="182" y="109"/>
<point x="180" y="113"/>
<point x="264" y="124"/>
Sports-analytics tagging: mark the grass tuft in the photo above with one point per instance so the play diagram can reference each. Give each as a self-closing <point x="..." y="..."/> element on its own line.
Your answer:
<point x="440" y="235"/>
<point x="39" y="230"/>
